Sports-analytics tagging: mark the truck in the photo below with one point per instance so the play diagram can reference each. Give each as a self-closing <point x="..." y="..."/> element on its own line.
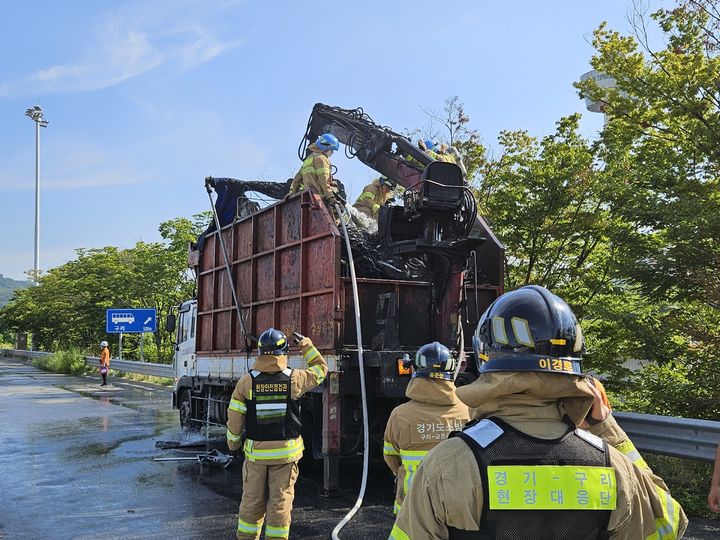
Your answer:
<point x="427" y="274"/>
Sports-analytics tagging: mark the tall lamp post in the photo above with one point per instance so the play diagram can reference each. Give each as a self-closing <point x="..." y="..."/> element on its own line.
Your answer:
<point x="36" y="114"/>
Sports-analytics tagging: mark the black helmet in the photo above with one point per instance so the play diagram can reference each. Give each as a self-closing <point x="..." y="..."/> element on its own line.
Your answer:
<point x="529" y="329"/>
<point x="384" y="180"/>
<point x="435" y="362"/>
<point x="273" y="341"/>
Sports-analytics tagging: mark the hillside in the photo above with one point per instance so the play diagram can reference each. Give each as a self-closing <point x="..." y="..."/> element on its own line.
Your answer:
<point x="7" y="286"/>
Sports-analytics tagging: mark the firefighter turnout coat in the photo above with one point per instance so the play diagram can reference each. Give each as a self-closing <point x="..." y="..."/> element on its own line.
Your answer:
<point x="265" y="402"/>
<point x="314" y="173"/>
<point x="373" y="196"/>
<point x="448" y="497"/>
<point x="301" y="381"/>
<point x="416" y="427"/>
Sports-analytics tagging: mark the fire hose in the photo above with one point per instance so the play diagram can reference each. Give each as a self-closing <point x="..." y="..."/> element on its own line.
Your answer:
<point x="361" y="366"/>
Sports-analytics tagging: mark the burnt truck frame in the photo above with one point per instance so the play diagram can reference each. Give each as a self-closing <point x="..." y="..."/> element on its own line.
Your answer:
<point x="289" y="271"/>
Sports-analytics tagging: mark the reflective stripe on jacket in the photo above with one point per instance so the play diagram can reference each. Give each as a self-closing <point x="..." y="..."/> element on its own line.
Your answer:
<point x="315" y="173"/>
<point x="372" y="198"/>
<point x="301" y="381"/>
<point x="446" y="492"/>
<point x="416" y="427"/>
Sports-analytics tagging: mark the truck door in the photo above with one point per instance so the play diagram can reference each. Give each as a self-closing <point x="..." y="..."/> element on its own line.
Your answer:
<point x="185" y="355"/>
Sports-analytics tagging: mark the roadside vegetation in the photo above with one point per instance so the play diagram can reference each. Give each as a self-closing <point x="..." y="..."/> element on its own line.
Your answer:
<point x="71" y="362"/>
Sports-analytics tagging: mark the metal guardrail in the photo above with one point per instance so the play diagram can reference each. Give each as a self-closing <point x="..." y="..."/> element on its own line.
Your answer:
<point x="686" y="438"/>
<point x="127" y="366"/>
<point x="671" y="436"/>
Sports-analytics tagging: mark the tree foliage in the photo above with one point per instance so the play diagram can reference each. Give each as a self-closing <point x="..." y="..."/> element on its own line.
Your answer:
<point x="662" y="147"/>
<point x="68" y="308"/>
<point x="626" y="227"/>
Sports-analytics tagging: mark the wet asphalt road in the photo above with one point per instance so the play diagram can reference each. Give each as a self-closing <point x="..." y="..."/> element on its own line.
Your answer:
<point x="76" y="461"/>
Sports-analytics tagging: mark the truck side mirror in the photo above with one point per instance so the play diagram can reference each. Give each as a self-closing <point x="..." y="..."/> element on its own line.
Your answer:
<point x="170" y="323"/>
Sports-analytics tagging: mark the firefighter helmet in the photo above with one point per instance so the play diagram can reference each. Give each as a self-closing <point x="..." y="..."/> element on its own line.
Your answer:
<point x="529" y="329"/>
<point x="273" y="341"/>
<point x="385" y="181"/>
<point x="327" y="141"/>
<point x="434" y="361"/>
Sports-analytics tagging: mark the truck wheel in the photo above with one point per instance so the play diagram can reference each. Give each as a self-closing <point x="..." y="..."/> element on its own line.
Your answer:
<point x="186" y="413"/>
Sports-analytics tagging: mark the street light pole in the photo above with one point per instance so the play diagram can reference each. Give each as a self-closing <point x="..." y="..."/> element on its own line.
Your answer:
<point x="36" y="114"/>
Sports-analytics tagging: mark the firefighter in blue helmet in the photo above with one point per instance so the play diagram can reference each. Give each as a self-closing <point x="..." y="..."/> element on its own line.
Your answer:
<point x="316" y="171"/>
<point x="544" y="458"/>
<point x="266" y="404"/>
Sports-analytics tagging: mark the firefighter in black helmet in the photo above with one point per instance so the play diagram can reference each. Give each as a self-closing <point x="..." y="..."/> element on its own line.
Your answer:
<point x="266" y="403"/>
<point x="548" y="459"/>
<point x="433" y="412"/>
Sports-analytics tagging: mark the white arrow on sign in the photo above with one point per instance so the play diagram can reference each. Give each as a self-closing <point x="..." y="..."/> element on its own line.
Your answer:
<point x="147" y="320"/>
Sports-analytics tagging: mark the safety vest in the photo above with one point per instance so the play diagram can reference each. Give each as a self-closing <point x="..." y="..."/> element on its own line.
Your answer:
<point x="271" y="414"/>
<point x="536" y="488"/>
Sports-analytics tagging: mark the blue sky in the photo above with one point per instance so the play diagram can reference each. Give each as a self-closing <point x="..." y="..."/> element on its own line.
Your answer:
<point x="146" y="98"/>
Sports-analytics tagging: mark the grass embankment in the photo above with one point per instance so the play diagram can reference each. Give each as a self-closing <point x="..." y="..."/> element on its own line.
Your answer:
<point x="688" y="480"/>
<point x="72" y="362"/>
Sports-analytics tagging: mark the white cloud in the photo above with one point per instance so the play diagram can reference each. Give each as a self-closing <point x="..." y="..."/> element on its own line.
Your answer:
<point x="127" y="43"/>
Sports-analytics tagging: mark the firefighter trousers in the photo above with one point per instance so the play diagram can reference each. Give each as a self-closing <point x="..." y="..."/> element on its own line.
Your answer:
<point x="268" y="492"/>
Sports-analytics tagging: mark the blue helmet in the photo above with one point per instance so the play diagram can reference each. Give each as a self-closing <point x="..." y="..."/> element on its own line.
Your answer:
<point x="430" y="145"/>
<point x="434" y="361"/>
<point x="273" y="341"/>
<point x="327" y="141"/>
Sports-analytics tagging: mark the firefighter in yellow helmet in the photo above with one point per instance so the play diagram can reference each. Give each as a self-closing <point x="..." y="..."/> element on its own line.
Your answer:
<point x="373" y="196"/>
<point x="315" y="171"/>
<point x="266" y="403"/>
<point x="416" y="427"/>
<point x="544" y="457"/>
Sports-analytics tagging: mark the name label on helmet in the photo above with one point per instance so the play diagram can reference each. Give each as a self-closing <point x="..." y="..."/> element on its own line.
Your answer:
<point x="556" y="364"/>
<point x="266" y="388"/>
<point x="551" y="487"/>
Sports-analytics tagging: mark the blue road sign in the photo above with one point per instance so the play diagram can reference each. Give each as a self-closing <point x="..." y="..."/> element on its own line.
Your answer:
<point x="129" y="321"/>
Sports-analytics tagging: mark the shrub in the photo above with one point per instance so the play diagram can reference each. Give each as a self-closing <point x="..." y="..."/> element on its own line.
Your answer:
<point x="70" y="361"/>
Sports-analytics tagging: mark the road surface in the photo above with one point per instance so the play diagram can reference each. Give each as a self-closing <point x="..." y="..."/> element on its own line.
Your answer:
<point x="77" y="462"/>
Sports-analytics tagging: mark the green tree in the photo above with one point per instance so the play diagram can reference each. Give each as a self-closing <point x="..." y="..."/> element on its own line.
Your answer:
<point x="662" y="144"/>
<point x="68" y="308"/>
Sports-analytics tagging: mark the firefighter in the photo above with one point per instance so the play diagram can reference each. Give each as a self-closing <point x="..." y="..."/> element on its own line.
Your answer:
<point x="417" y="426"/>
<point x="375" y="195"/>
<point x="266" y="403"/>
<point x="439" y="152"/>
<point x="315" y="170"/>
<point x="523" y="469"/>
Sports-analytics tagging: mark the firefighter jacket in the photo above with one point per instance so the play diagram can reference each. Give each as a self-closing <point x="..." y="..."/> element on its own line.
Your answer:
<point x="416" y="427"/>
<point x="447" y="490"/>
<point x="105" y="357"/>
<point x="281" y="450"/>
<point x="314" y="173"/>
<point x="373" y="196"/>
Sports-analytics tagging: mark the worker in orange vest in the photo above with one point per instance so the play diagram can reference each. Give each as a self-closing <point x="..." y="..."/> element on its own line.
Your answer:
<point x="104" y="361"/>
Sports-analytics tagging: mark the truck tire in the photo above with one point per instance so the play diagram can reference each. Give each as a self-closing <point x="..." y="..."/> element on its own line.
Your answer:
<point x="186" y="413"/>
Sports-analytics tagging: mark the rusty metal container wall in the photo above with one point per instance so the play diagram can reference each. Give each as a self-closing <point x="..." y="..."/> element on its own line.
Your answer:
<point x="285" y="261"/>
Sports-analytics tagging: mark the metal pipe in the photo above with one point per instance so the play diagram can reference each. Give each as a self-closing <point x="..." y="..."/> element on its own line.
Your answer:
<point x="36" y="265"/>
<point x="227" y="262"/>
